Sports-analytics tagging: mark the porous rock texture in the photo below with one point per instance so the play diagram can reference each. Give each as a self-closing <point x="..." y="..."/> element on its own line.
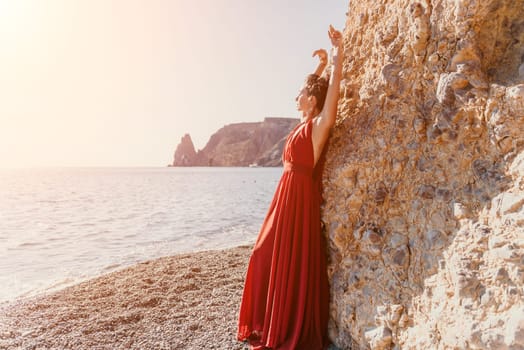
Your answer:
<point x="424" y="181"/>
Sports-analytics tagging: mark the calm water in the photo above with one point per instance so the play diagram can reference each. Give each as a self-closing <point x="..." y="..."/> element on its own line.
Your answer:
<point x="59" y="226"/>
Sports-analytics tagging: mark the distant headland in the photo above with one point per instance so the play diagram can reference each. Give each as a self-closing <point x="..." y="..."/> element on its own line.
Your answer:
<point x="239" y="144"/>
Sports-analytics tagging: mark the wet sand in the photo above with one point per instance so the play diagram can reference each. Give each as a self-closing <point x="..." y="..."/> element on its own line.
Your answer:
<point x="188" y="301"/>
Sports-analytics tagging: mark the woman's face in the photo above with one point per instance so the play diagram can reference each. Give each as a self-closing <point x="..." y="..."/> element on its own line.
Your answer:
<point x="303" y="100"/>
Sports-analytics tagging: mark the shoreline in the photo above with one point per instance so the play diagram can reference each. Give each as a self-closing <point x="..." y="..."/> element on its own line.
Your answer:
<point x="67" y="282"/>
<point x="185" y="301"/>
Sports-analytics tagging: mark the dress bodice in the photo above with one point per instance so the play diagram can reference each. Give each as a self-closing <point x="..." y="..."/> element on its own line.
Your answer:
<point x="299" y="147"/>
<point x="298" y="151"/>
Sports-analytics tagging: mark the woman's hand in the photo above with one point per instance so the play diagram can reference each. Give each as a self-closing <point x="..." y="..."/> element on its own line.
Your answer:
<point x="322" y="56"/>
<point x="335" y="36"/>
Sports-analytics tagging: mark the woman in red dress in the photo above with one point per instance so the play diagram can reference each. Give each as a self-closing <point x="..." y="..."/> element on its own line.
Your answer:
<point x="285" y="304"/>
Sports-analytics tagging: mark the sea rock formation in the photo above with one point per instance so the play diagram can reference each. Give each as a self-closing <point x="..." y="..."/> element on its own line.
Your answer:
<point x="424" y="181"/>
<point x="240" y="144"/>
<point x="185" y="153"/>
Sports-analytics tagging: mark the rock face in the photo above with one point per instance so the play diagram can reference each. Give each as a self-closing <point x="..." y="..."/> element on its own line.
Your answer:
<point x="242" y="144"/>
<point x="424" y="181"/>
<point x="185" y="153"/>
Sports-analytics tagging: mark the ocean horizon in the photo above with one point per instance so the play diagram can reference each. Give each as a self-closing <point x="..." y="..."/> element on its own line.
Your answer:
<point x="62" y="225"/>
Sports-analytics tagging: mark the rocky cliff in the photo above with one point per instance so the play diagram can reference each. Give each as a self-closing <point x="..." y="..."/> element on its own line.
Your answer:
<point x="424" y="182"/>
<point x="240" y="144"/>
<point x="185" y="153"/>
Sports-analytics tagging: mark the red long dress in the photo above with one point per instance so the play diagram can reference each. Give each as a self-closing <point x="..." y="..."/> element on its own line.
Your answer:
<point x="285" y="304"/>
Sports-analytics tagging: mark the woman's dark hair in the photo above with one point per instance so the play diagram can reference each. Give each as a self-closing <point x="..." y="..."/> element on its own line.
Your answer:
<point x="317" y="86"/>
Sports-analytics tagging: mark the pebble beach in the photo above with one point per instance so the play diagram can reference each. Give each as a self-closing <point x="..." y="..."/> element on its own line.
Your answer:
<point x="187" y="301"/>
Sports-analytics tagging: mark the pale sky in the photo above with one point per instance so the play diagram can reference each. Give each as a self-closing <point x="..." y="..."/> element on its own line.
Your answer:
<point x="118" y="83"/>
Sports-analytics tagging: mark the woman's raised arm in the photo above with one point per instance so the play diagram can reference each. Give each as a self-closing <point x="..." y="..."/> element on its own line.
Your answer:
<point x="326" y="119"/>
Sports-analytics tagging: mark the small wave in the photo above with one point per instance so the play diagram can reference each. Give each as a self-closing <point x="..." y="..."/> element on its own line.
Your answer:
<point x="41" y="288"/>
<point x="29" y="244"/>
<point x="126" y="217"/>
<point x="102" y="233"/>
<point x="157" y="223"/>
<point x="64" y="222"/>
<point x="65" y="282"/>
<point x="159" y="213"/>
<point x="51" y="201"/>
<point x="85" y="224"/>
<point x="111" y="267"/>
<point x="106" y="219"/>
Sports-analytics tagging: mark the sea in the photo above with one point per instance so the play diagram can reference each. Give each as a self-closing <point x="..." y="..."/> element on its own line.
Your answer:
<point x="60" y="226"/>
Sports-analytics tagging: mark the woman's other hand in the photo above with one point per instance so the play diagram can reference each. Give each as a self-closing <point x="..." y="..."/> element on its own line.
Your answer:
<point x="322" y="56"/>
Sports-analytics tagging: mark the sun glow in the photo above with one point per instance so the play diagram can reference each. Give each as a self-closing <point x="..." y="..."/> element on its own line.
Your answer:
<point x="18" y="16"/>
<point x="117" y="83"/>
